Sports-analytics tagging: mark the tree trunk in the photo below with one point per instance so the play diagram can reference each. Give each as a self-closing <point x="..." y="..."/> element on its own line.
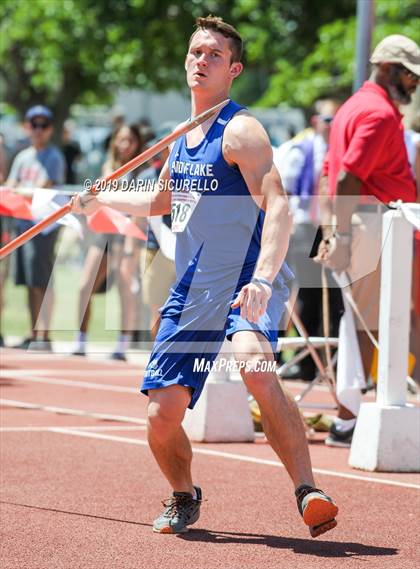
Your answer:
<point x="22" y="95"/>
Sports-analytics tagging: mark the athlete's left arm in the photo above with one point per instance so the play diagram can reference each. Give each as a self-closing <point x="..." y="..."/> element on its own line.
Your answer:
<point x="247" y="145"/>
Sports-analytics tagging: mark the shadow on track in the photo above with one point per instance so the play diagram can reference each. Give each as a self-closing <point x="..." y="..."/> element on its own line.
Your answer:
<point x="74" y="513"/>
<point x="297" y="545"/>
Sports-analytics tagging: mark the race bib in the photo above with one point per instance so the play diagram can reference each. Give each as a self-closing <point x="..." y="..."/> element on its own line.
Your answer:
<point x="183" y="205"/>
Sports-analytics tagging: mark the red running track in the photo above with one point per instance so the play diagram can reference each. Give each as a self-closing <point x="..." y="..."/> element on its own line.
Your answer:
<point x="80" y="490"/>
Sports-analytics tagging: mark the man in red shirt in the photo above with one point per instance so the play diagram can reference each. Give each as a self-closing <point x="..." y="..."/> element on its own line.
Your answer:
<point x="367" y="167"/>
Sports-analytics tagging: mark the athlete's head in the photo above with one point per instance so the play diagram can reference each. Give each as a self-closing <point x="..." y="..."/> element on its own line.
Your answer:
<point x="214" y="54"/>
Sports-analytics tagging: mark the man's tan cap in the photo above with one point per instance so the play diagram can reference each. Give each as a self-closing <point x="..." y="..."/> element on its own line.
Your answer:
<point x="398" y="49"/>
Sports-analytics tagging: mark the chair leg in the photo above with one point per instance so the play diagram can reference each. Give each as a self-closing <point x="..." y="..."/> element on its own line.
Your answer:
<point x="323" y="374"/>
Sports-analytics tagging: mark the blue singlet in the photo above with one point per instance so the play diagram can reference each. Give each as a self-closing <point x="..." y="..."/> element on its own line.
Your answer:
<point x="218" y="241"/>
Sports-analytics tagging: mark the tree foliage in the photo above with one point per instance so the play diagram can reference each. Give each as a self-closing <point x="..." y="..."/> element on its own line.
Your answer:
<point x="80" y="51"/>
<point x="328" y="68"/>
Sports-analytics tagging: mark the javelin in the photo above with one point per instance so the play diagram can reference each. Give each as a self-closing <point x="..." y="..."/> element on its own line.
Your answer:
<point x="131" y="165"/>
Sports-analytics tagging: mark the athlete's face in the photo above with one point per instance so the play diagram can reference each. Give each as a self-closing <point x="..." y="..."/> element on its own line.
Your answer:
<point x="208" y="62"/>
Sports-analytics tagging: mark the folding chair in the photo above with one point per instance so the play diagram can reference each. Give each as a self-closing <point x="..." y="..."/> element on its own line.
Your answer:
<point x="308" y="345"/>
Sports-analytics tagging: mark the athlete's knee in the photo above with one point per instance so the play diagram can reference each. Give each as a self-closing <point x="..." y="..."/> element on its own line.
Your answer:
<point x="157" y="420"/>
<point x="258" y="377"/>
<point x="166" y="410"/>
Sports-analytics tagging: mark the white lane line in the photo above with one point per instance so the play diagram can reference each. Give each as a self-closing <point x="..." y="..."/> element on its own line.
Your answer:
<point x="35" y="375"/>
<point x="34" y="429"/>
<point x="241" y="457"/>
<point x="73" y="383"/>
<point x="63" y="410"/>
<point x="68" y="411"/>
<point x="112" y="373"/>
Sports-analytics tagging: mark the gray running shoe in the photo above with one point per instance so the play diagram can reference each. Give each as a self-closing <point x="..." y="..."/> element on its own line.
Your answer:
<point x="180" y="511"/>
<point x="118" y="356"/>
<point x="35" y="345"/>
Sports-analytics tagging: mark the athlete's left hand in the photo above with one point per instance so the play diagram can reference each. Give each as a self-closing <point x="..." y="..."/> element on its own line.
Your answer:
<point x="253" y="299"/>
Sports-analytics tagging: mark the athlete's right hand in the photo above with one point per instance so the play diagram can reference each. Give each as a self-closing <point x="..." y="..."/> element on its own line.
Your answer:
<point x="85" y="204"/>
<point x="253" y="300"/>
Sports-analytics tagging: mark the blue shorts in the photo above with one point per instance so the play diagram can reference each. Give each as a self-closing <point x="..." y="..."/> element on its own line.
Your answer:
<point x="194" y="324"/>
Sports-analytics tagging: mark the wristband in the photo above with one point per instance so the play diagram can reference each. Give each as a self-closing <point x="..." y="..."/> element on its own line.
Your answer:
<point x="261" y="280"/>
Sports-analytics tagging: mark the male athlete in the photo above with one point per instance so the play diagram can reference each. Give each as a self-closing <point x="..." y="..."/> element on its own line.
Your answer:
<point x="232" y="225"/>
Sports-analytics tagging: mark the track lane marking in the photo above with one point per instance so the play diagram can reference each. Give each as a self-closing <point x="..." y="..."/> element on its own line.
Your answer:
<point x="39" y="429"/>
<point x="5" y="373"/>
<point x="241" y="457"/>
<point x="24" y="405"/>
<point x="36" y="375"/>
<point x="74" y="383"/>
<point x="69" y="411"/>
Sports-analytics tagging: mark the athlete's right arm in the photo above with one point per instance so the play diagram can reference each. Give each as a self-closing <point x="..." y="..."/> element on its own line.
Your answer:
<point x="142" y="203"/>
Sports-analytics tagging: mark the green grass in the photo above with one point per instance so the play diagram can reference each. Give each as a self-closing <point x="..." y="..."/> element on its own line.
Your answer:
<point x="104" y="322"/>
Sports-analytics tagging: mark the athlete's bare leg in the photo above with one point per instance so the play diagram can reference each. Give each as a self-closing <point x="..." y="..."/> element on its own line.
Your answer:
<point x="167" y="439"/>
<point x="280" y="416"/>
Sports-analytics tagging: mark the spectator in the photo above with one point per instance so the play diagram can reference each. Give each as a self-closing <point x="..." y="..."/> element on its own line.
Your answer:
<point x="367" y="165"/>
<point x="300" y="163"/>
<point x="39" y="166"/>
<point x="116" y="249"/>
<point x="412" y="142"/>
<point x="22" y="141"/>
<point x="71" y="151"/>
<point x="118" y="121"/>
